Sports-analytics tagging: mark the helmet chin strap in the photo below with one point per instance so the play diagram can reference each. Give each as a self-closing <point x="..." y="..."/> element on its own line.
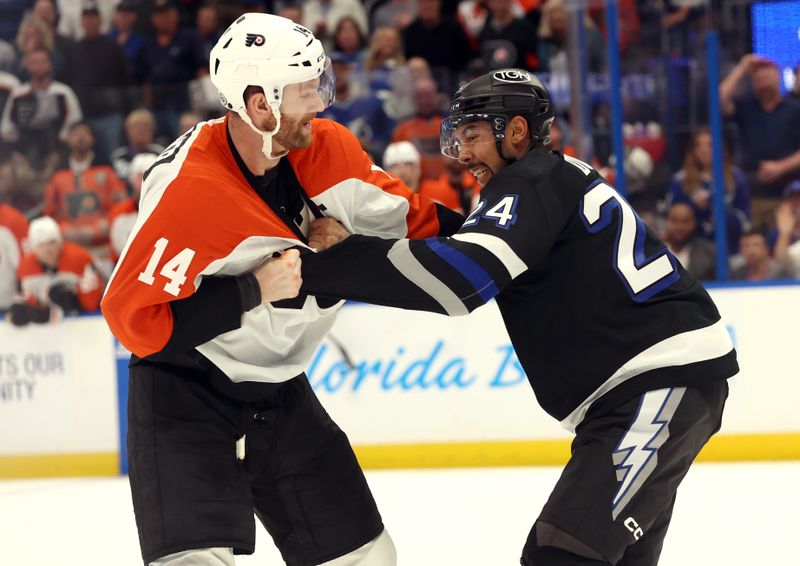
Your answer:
<point x="266" y="145"/>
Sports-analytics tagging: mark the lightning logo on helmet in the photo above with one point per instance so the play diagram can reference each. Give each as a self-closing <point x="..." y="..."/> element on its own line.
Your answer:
<point x="254" y="39"/>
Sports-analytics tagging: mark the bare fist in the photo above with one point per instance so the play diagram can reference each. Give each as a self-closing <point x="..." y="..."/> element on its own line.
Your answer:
<point x="279" y="277"/>
<point x="326" y="232"/>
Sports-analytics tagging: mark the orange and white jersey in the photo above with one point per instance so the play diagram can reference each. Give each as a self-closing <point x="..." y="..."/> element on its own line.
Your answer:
<point x="200" y="217"/>
<point x="75" y="269"/>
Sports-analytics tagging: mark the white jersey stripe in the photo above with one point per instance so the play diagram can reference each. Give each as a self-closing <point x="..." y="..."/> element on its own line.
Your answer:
<point x="404" y="261"/>
<point x="681" y="349"/>
<point x="497" y="247"/>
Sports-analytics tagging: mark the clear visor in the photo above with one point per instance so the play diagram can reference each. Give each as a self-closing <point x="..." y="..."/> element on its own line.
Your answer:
<point x="309" y="97"/>
<point x="464" y="131"/>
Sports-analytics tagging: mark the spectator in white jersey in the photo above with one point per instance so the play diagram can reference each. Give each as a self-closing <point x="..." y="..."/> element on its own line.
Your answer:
<point x="620" y="343"/>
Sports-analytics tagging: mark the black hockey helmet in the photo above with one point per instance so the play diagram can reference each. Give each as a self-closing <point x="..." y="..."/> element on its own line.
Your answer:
<point x="496" y="97"/>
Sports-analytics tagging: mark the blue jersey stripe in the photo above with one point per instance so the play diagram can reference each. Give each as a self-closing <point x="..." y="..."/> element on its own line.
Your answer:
<point x="480" y="280"/>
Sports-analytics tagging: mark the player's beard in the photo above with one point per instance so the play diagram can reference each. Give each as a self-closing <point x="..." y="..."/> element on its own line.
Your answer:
<point x="293" y="133"/>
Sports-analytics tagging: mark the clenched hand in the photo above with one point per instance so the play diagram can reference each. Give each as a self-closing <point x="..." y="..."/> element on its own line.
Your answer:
<point x="279" y="277"/>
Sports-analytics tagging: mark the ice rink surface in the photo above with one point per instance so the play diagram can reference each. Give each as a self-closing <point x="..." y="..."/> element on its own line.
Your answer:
<point x="726" y="514"/>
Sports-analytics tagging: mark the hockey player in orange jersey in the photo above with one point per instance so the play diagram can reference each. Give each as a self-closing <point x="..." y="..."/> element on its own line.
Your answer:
<point x="56" y="277"/>
<point x="222" y="421"/>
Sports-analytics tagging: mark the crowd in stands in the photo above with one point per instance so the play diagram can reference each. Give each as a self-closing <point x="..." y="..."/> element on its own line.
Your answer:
<point x="92" y="91"/>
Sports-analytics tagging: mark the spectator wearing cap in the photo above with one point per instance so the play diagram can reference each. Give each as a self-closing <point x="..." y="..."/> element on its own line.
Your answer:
<point x="455" y="188"/>
<point x="423" y="128"/>
<point x="71" y="13"/>
<point x="123" y="215"/>
<point x="769" y="131"/>
<point x="358" y="109"/>
<point x="402" y="160"/>
<point x="693" y="185"/>
<point x="80" y="196"/>
<point x="697" y="255"/>
<point x="173" y="57"/>
<point x="440" y="40"/>
<point x="36" y="119"/>
<point x="55" y="277"/>
<point x="140" y="130"/>
<point x="123" y="32"/>
<point x="100" y="86"/>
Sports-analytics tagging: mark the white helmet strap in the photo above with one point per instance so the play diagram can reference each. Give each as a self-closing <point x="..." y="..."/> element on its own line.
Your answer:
<point x="266" y="146"/>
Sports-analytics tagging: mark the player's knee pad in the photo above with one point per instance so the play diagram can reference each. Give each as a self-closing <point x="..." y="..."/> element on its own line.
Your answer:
<point x="552" y="556"/>
<point x="197" y="557"/>
<point x="379" y="551"/>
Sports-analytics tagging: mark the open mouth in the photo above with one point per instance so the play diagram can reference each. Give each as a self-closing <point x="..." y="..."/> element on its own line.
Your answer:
<point x="480" y="171"/>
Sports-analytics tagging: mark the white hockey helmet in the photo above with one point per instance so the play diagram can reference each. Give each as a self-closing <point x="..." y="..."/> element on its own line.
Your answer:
<point x="270" y="52"/>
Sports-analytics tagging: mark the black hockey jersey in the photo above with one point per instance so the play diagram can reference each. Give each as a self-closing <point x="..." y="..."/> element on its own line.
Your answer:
<point x="596" y="307"/>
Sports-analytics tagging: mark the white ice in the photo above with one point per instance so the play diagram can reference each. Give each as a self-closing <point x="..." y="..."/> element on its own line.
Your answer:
<point x="726" y="514"/>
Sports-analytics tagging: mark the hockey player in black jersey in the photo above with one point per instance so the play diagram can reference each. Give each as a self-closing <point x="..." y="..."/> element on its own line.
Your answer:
<point x="619" y="342"/>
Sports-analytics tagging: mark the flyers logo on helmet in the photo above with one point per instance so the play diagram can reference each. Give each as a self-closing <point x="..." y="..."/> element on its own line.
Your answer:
<point x="254" y="39"/>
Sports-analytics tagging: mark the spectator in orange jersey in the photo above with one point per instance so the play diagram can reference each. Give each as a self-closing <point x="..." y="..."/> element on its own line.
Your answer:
<point x="455" y="188"/>
<point x="13" y="220"/>
<point x="422" y="129"/>
<point x="55" y="277"/>
<point x="123" y="216"/>
<point x="80" y="196"/>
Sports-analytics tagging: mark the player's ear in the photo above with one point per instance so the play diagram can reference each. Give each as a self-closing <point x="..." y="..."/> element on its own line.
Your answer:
<point x="518" y="130"/>
<point x="257" y="107"/>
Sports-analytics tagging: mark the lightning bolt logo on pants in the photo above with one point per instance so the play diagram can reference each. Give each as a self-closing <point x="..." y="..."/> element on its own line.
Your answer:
<point x="636" y="454"/>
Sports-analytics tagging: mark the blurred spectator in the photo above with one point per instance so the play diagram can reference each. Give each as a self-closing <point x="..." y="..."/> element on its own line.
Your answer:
<point x="208" y="28"/>
<point x="11" y="12"/>
<point x="756" y="263"/>
<point x="362" y="113"/>
<point x="123" y="32"/>
<point x="36" y="119"/>
<point x="455" y="188"/>
<point x="33" y="35"/>
<point x="55" y="277"/>
<point x="8" y="82"/>
<point x="173" y="58"/>
<point x="395" y="14"/>
<point x="385" y="54"/>
<point x="47" y="11"/>
<point x="69" y="22"/>
<point x="558" y="140"/>
<point x="402" y="160"/>
<point x="440" y="40"/>
<point x="553" y="38"/>
<point x="322" y="16"/>
<point x="80" y="197"/>
<point x="769" y="131"/>
<point x="100" y="86"/>
<point x="12" y="219"/>
<point x="186" y="122"/>
<point x="507" y="40"/>
<point x="423" y="128"/>
<point x="9" y="264"/>
<point x="787" y="222"/>
<point x="472" y="15"/>
<point x="697" y="255"/>
<point x="795" y="93"/>
<point x="628" y="23"/>
<point x="692" y="185"/>
<point x="350" y="39"/>
<point x="140" y="129"/>
<point x="683" y="20"/>
<point x="123" y="215"/>
<point x="292" y="12"/>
